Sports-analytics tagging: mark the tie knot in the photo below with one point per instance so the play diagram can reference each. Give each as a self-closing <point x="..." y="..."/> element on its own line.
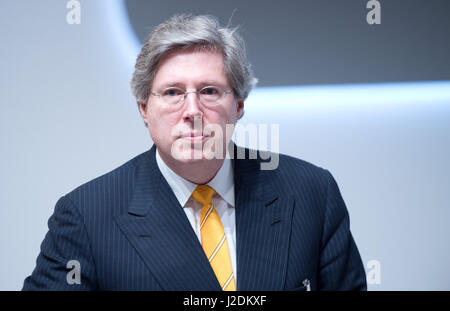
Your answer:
<point x="203" y="194"/>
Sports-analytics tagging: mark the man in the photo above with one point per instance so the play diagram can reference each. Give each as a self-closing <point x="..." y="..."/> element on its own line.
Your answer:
<point x="189" y="214"/>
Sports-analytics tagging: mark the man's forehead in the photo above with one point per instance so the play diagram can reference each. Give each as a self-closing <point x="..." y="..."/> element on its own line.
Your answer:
<point x="177" y="76"/>
<point x="180" y="51"/>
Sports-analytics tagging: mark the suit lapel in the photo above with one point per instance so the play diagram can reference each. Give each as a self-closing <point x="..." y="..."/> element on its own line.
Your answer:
<point x="263" y="225"/>
<point x="159" y="230"/>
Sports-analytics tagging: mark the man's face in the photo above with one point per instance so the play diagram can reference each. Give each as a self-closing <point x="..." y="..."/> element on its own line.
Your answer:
<point x="186" y="128"/>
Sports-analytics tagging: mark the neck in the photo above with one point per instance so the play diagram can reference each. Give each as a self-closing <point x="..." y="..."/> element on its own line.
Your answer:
<point x="198" y="172"/>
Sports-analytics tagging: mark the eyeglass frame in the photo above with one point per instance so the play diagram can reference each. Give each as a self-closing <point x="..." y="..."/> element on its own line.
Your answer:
<point x="216" y="103"/>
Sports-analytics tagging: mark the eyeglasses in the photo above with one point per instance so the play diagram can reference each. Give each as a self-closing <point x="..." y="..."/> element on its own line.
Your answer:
<point x="208" y="95"/>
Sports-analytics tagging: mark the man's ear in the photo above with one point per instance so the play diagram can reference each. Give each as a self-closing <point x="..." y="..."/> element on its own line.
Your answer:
<point x="240" y="109"/>
<point x="143" y="110"/>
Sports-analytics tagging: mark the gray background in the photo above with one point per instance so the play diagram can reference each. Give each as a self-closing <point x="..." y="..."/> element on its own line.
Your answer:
<point x="65" y="103"/>
<point x="293" y="42"/>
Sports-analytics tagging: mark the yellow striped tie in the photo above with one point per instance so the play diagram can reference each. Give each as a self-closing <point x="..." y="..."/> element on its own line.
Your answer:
<point x="214" y="241"/>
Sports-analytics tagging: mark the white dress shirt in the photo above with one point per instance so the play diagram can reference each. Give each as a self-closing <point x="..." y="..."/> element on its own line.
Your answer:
<point x="223" y="201"/>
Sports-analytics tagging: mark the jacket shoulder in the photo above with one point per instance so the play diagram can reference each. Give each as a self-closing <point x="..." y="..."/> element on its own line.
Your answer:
<point x="112" y="185"/>
<point x="299" y="178"/>
<point x="295" y="170"/>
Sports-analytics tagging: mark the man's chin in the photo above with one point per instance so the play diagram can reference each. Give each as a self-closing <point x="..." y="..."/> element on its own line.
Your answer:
<point x="195" y="150"/>
<point x="194" y="155"/>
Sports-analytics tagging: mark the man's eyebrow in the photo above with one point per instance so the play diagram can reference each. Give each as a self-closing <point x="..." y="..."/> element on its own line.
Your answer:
<point x="212" y="82"/>
<point x="171" y="84"/>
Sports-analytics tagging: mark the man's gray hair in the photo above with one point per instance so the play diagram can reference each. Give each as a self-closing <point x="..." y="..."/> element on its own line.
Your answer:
<point x="197" y="32"/>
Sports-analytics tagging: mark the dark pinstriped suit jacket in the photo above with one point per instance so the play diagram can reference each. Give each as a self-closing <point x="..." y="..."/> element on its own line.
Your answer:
<point x="129" y="232"/>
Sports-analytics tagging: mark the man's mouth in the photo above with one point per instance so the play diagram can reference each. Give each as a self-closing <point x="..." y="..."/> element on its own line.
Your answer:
<point x="195" y="136"/>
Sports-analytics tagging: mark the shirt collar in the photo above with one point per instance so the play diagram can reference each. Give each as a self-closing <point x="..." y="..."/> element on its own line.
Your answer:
<point x="222" y="183"/>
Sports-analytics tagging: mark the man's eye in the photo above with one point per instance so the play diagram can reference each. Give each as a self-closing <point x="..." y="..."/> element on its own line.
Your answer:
<point x="173" y="92"/>
<point x="209" y="91"/>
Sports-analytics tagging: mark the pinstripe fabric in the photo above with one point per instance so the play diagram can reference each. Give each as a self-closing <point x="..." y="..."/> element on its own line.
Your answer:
<point x="129" y="232"/>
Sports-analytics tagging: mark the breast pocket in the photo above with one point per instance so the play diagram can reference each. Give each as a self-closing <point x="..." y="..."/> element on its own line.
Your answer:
<point x="304" y="287"/>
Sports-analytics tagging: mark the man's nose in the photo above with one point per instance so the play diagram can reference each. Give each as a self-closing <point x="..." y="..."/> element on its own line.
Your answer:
<point x="191" y="105"/>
